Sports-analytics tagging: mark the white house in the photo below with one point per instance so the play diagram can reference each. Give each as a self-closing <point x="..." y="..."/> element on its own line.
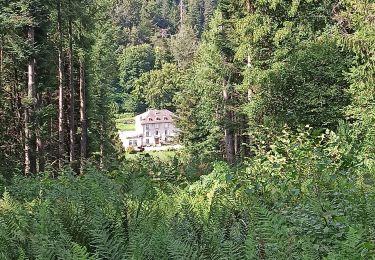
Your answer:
<point x="152" y="128"/>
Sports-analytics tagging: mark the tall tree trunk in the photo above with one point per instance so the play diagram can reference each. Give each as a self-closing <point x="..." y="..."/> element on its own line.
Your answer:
<point x="181" y="13"/>
<point x="1" y="62"/>
<point x="72" y="132"/>
<point x="83" y="115"/>
<point x="30" y="158"/>
<point x="250" y="92"/>
<point x="18" y="103"/>
<point x="228" y="131"/>
<point x="39" y="139"/>
<point x="61" y="88"/>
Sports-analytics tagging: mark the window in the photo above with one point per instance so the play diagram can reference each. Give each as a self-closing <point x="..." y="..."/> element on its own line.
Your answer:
<point x="167" y="125"/>
<point x="149" y="119"/>
<point x="157" y="132"/>
<point x="156" y="126"/>
<point x="147" y="133"/>
<point x="166" y="132"/>
<point x="158" y="119"/>
<point x="147" y="141"/>
<point x="131" y="142"/>
<point x="147" y="127"/>
<point x="135" y="142"/>
<point x="165" y="118"/>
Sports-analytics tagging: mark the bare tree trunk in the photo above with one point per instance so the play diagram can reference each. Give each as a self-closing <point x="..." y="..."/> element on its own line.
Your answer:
<point x="27" y="143"/>
<point x="72" y="132"/>
<point x="61" y="88"/>
<point x="83" y="115"/>
<point x="40" y="149"/>
<point x="39" y="140"/>
<point x="228" y="132"/>
<point x="249" y="6"/>
<point x="30" y="158"/>
<point x="229" y="146"/>
<point x="18" y="102"/>
<point x="1" y="62"/>
<point x="181" y="13"/>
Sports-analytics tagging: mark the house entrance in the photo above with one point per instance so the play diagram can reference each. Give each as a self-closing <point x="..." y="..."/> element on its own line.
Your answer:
<point x="157" y="140"/>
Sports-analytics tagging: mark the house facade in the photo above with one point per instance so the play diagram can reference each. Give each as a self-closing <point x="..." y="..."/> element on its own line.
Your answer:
<point x="152" y="128"/>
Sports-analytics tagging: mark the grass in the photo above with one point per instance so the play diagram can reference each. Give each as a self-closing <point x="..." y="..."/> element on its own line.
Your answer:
<point x="162" y="155"/>
<point x="125" y="127"/>
<point x="125" y="122"/>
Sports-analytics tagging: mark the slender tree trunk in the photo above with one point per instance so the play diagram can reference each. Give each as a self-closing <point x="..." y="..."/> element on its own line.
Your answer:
<point x="72" y="132"/>
<point x="61" y="88"/>
<point x="39" y="139"/>
<point x="83" y="115"/>
<point x="1" y="62"/>
<point x="40" y="149"/>
<point x="30" y="158"/>
<point x="228" y="132"/>
<point x="49" y="147"/>
<point x="250" y="92"/>
<point x="18" y="102"/>
<point x="181" y="13"/>
<point x="250" y="9"/>
<point x="27" y="141"/>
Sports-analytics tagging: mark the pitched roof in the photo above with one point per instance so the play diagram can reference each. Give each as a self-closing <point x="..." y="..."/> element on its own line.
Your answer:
<point x="154" y="116"/>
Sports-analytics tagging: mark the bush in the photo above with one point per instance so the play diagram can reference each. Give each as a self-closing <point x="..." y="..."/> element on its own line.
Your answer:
<point x="131" y="150"/>
<point x="304" y="196"/>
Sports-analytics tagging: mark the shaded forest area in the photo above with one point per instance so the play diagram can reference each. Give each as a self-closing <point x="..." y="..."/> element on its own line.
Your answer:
<point x="55" y="96"/>
<point x="275" y="105"/>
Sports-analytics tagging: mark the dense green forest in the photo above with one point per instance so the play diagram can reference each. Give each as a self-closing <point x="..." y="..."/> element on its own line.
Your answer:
<point x="275" y="105"/>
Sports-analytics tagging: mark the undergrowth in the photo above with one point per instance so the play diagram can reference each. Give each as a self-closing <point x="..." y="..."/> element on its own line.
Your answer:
<point x="307" y="196"/>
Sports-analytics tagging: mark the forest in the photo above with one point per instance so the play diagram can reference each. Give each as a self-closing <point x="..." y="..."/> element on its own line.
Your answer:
<point x="275" y="106"/>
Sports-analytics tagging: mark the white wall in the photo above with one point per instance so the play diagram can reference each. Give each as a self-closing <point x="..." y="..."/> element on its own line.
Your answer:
<point x="127" y="136"/>
<point x="158" y="130"/>
<point x="138" y="125"/>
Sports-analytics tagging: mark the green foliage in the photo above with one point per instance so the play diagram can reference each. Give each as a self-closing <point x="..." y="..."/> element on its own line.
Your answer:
<point x="183" y="46"/>
<point x="305" y="88"/>
<point x="273" y="74"/>
<point x="158" y="88"/>
<point x="133" y="62"/>
<point x="355" y="27"/>
<point x="156" y="34"/>
<point x="303" y="196"/>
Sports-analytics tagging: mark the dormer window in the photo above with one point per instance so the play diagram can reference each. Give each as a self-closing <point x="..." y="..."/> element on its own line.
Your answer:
<point x="149" y="119"/>
<point x="165" y="118"/>
<point x="158" y="119"/>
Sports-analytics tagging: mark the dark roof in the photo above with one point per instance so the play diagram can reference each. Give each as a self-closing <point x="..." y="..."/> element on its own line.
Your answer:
<point x="154" y="116"/>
